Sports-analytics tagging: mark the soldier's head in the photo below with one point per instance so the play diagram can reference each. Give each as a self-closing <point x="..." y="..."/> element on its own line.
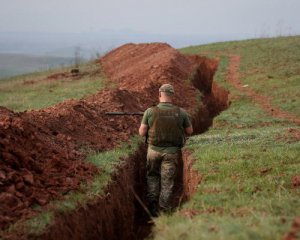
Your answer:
<point x="166" y="92"/>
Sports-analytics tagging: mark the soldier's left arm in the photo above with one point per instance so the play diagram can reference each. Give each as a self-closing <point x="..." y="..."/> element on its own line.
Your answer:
<point x="189" y="130"/>
<point x="144" y="125"/>
<point x="187" y="125"/>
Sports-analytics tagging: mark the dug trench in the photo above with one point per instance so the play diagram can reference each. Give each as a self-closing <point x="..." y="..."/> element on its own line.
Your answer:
<point x="138" y="70"/>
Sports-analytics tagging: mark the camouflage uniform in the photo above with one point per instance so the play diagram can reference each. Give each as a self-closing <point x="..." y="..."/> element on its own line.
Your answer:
<point x="161" y="172"/>
<point x="162" y="158"/>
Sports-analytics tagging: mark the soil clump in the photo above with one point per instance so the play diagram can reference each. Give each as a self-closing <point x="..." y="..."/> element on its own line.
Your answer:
<point x="294" y="232"/>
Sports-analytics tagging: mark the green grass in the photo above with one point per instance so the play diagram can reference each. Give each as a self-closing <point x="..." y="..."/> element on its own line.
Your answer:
<point x="248" y="158"/>
<point x="269" y="66"/>
<point x="18" y="95"/>
<point x="246" y="191"/>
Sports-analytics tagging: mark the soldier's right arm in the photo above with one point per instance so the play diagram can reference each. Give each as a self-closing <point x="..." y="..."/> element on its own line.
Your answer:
<point x="187" y="125"/>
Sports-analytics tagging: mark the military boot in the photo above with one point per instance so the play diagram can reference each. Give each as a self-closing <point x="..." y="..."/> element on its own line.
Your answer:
<point x="153" y="208"/>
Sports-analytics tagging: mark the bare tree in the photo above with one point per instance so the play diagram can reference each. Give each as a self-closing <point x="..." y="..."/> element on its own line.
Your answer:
<point x="77" y="60"/>
<point x="77" y="56"/>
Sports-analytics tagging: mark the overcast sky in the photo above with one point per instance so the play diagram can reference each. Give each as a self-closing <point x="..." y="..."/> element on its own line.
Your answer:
<point x="195" y="17"/>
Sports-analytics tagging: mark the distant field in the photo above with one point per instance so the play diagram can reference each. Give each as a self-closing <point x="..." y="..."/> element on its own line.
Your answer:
<point x="15" y="64"/>
<point x="39" y="90"/>
<point x="249" y="158"/>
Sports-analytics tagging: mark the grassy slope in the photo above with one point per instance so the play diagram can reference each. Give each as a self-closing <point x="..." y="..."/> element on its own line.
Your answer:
<point x="18" y="95"/>
<point x="247" y="159"/>
<point x="269" y="66"/>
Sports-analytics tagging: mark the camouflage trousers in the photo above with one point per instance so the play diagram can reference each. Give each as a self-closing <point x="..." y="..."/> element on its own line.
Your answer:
<point x="161" y="173"/>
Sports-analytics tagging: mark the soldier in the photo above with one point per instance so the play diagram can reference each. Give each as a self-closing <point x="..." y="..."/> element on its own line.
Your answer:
<point x="165" y="125"/>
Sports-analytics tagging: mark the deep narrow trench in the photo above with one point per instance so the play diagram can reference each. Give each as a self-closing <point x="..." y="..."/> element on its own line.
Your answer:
<point x="215" y="100"/>
<point x="118" y="214"/>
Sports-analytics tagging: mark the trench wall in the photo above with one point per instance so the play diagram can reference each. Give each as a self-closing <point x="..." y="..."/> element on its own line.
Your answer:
<point x="112" y="216"/>
<point x="118" y="214"/>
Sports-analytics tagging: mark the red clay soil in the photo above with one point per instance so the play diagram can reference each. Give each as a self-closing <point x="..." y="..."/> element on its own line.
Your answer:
<point x="190" y="177"/>
<point x="143" y="68"/>
<point x="116" y="215"/>
<point x="290" y="135"/>
<point x="40" y="151"/>
<point x="264" y="101"/>
<point x="296" y="181"/>
<point x="294" y="232"/>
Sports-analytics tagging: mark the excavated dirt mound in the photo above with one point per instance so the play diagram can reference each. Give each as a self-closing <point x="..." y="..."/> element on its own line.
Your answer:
<point x="40" y="150"/>
<point x="35" y="166"/>
<point x="143" y="68"/>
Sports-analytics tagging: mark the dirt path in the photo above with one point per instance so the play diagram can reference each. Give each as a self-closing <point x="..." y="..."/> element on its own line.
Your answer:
<point x="264" y="101"/>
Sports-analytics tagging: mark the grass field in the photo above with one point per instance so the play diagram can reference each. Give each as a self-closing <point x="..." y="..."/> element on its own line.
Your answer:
<point x="247" y="159"/>
<point x="269" y="66"/>
<point x="35" y="91"/>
